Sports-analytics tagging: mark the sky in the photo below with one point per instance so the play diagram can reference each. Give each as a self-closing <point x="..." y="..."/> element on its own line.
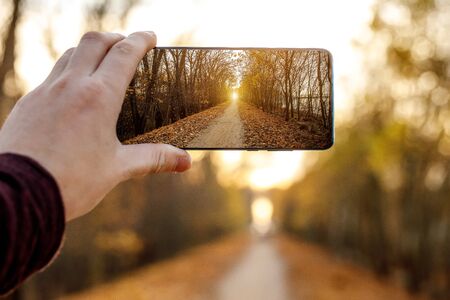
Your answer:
<point x="329" y="24"/>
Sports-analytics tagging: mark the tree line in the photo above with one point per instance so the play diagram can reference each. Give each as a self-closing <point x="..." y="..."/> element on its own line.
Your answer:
<point x="292" y="83"/>
<point x="171" y="84"/>
<point x="381" y="197"/>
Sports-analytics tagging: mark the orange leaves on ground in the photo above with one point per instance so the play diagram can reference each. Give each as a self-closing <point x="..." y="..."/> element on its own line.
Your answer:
<point x="182" y="132"/>
<point x="264" y="130"/>
<point x="261" y="130"/>
<point x="192" y="275"/>
<point x="315" y="273"/>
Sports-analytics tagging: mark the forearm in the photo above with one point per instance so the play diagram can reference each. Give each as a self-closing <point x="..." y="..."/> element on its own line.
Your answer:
<point x="32" y="219"/>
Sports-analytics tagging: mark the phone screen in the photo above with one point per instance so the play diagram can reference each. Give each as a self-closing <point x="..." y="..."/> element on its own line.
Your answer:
<point x="231" y="98"/>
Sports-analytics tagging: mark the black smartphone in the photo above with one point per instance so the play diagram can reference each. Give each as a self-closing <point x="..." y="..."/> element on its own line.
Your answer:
<point x="231" y="98"/>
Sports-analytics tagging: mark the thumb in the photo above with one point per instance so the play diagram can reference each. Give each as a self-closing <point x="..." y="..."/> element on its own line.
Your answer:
<point x="143" y="159"/>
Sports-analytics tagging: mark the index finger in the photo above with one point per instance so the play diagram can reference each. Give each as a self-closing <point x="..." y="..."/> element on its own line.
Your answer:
<point x="119" y="65"/>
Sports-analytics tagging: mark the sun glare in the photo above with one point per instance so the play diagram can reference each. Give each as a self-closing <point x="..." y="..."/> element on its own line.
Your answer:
<point x="279" y="169"/>
<point x="260" y="170"/>
<point x="203" y="25"/>
<point x="234" y="96"/>
<point x="262" y="210"/>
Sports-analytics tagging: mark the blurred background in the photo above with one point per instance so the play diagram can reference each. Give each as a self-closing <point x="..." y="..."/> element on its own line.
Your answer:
<point x="369" y="216"/>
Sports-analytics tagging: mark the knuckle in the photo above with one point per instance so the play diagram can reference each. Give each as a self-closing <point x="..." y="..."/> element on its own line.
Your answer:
<point x="82" y="94"/>
<point x="160" y="162"/>
<point x="136" y="173"/>
<point x="125" y="47"/>
<point x="69" y="51"/>
<point x="148" y="37"/>
<point x="62" y="83"/>
<point x="93" y="88"/>
<point x="89" y="95"/>
<point x="92" y="36"/>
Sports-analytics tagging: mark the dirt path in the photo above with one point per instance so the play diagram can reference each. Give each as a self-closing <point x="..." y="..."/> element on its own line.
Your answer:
<point x="182" y="132"/>
<point x="225" y="131"/>
<point x="259" y="275"/>
<point x="237" y="267"/>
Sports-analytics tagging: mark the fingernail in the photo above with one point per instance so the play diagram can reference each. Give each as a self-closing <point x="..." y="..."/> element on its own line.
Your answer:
<point x="183" y="163"/>
<point x="151" y="33"/>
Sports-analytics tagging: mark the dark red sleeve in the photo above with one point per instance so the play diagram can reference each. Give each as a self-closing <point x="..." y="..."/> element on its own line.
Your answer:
<point x="31" y="219"/>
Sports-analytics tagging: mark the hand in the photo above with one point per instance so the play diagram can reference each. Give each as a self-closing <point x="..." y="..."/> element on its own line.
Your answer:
<point x="68" y="123"/>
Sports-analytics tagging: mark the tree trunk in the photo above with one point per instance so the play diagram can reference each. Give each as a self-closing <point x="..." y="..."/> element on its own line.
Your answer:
<point x="320" y="79"/>
<point x="149" y="101"/>
<point x="134" y="108"/>
<point x="8" y="59"/>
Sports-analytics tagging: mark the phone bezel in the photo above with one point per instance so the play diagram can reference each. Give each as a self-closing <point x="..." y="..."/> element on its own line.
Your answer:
<point x="332" y="140"/>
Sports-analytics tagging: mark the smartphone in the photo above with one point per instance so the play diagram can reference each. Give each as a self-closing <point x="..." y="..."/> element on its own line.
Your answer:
<point x="231" y="98"/>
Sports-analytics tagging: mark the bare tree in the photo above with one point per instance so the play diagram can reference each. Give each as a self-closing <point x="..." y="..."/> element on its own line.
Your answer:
<point x="171" y="84"/>
<point x="294" y="84"/>
<point x="9" y="48"/>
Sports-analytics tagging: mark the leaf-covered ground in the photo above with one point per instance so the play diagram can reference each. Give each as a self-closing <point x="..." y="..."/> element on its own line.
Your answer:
<point x="182" y="132"/>
<point x="261" y="130"/>
<point x="268" y="131"/>
<point x="315" y="273"/>
<point x="191" y="275"/>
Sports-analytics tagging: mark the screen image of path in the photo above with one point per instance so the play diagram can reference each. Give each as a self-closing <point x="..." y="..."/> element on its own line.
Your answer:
<point x="223" y="98"/>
